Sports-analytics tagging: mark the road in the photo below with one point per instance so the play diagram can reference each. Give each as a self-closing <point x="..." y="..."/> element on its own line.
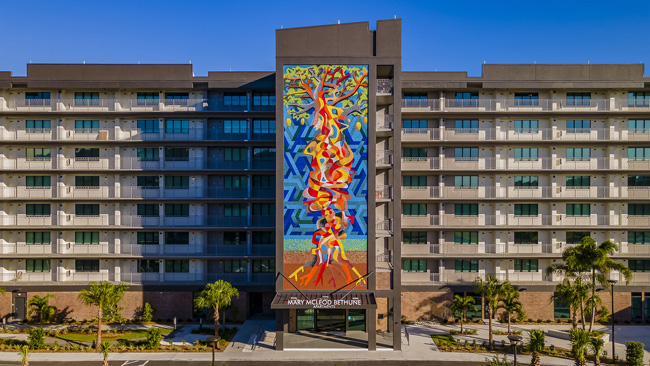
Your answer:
<point x="247" y="363"/>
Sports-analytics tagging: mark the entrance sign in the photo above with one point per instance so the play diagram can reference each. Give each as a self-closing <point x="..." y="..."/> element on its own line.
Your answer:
<point x="321" y="301"/>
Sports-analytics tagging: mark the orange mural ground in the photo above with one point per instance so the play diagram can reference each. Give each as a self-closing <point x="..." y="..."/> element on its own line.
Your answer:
<point x="294" y="259"/>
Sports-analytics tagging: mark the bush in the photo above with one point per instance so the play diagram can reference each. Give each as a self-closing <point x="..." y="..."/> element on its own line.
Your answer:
<point x="154" y="336"/>
<point x="634" y="353"/>
<point x="497" y="362"/>
<point x="36" y="338"/>
<point x="147" y="312"/>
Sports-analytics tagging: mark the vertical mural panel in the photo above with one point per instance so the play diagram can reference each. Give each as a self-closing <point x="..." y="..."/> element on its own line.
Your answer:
<point x="325" y="175"/>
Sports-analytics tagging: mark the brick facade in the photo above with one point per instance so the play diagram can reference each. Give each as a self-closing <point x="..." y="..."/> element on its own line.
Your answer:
<point x="426" y="304"/>
<point x="537" y="305"/>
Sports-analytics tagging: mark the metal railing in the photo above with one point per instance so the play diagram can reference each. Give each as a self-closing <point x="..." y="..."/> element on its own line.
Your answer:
<point x="102" y="192"/>
<point x="542" y="163"/>
<point x="384" y="158"/>
<point x="425" y="192"/>
<point x="136" y="221"/>
<point x="491" y="104"/>
<point x="450" y="220"/>
<point x="385" y="122"/>
<point x="384" y="86"/>
<point x="509" y="134"/>
<point x="384" y="193"/>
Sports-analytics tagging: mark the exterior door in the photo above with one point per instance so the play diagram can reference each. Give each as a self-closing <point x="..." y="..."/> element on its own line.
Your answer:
<point x="256" y="303"/>
<point x="19" y="308"/>
<point x="330" y="320"/>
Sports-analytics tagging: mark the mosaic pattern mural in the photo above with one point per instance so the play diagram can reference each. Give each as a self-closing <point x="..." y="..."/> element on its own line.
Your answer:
<point x="325" y="175"/>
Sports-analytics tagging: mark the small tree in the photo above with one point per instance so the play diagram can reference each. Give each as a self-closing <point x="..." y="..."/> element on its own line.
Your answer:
<point x="147" y="312"/>
<point x="106" y="346"/>
<point x="461" y="305"/>
<point x="41" y="306"/>
<point x="36" y="338"/>
<point x="536" y="345"/>
<point x="216" y="296"/>
<point x="579" y="344"/>
<point x="490" y="290"/>
<point x="596" y="346"/>
<point x="634" y="353"/>
<point x="24" y="353"/>
<point x="509" y="301"/>
<point x="575" y="294"/>
<point x="103" y="295"/>
<point x="154" y="336"/>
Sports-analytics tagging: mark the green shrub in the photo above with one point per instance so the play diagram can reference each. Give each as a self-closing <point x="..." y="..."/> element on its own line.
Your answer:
<point x="634" y="353"/>
<point x="147" y="312"/>
<point x="154" y="336"/>
<point x="497" y="362"/>
<point x="36" y="338"/>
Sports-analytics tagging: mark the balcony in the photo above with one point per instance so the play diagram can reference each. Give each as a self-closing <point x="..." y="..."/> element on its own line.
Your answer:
<point x="542" y="163"/>
<point x="384" y="86"/>
<point x="504" y="134"/>
<point x="384" y="193"/>
<point x="515" y="105"/>
<point x="436" y="192"/>
<point x="384" y="228"/>
<point x="104" y="105"/>
<point x="385" y="122"/>
<point x="384" y="159"/>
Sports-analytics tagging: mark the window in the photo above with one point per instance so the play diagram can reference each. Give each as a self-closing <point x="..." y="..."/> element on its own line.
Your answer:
<point x="526" y="99"/>
<point x="148" y="154"/>
<point x="37" y="237"/>
<point x="177" y="182"/>
<point x="526" y="237"/>
<point x="466" y="265"/>
<point x="466" y="153"/>
<point x="38" y="125"/>
<point x="177" y="209"/>
<point x="235" y="99"/>
<point x="262" y="181"/>
<point x="235" y="154"/>
<point x="415" y="96"/>
<point x="526" y="265"/>
<point x="235" y="266"/>
<point x="86" y="209"/>
<point x="577" y="209"/>
<point x="235" y="210"/>
<point x="466" y="181"/>
<point x="263" y="209"/>
<point x="37" y="154"/>
<point x="236" y="181"/>
<point x="638" y="181"/>
<point x="578" y="153"/>
<point x="578" y="99"/>
<point x="264" y="99"/>
<point x="86" y="237"/>
<point x="414" y="265"/>
<point x="638" y="209"/>
<point x="37" y="209"/>
<point x="234" y="238"/>
<point x="86" y="125"/>
<point x="465" y="237"/>
<point x="419" y="152"/>
<point x="638" y="126"/>
<point x="264" y="265"/>
<point x="264" y="153"/>
<point x="415" y="99"/>
<point x="263" y="126"/>
<point x="638" y="153"/>
<point x="526" y="181"/>
<point x="86" y="153"/>
<point x="148" y="266"/>
<point x="177" y="238"/>
<point x="415" y="125"/>
<point x="177" y="126"/>
<point x="37" y="181"/>
<point x="86" y="98"/>
<point x="177" y="154"/>
<point x="177" y="266"/>
<point x="560" y="309"/>
<point x="466" y="99"/>
<point x="148" y="238"/>
<point x="37" y="96"/>
<point x="525" y="209"/>
<point x="148" y="209"/>
<point x="526" y="126"/>
<point x="263" y="237"/>
<point x="414" y="181"/>
<point x="575" y="237"/>
<point x="148" y="126"/>
<point x="415" y="209"/>
<point x="466" y="126"/>
<point x="578" y="181"/>
<point x="578" y="126"/>
<point x="37" y="265"/>
<point x="148" y="182"/>
<point x="235" y="126"/>
<point x="466" y="209"/>
<point x="637" y="306"/>
<point x="177" y="98"/>
<point x="86" y="265"/>
<point x="86" y="181"/>
<point x="148" y="98"/>
<point x="638" y="99"/>
<point x="526" y="154"/>
<point x="639" y="265"/>
<point x="636" y="237"/>
<point x="414" y="237"/>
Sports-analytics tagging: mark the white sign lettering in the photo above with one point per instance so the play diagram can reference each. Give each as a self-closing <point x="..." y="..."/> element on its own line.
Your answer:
<point x="324" y="303"/>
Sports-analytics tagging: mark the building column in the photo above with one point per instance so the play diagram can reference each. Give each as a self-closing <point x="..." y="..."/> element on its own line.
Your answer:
<point x="397" y="322"/>
<point x="282" y="327"/>
<point x="371" y="316"/>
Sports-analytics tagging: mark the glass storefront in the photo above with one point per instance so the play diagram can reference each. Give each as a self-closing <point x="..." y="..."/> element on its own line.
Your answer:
<point x="330" y="320"/>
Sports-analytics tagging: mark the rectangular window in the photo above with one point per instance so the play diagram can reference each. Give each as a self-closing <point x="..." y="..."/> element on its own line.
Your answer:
<point x="578" y="126"/>
<point x="235" y="181"/>
<point x="466" y="265"/>
<point x="148" y="154"/>
<point x="264" y="265"/>
<point x="637" y="306"/>
<point x="638" y="181"/>
<point x="177" y="238"/>
<point x="177" y="266"/>
<point x="263" y="209"/>
<point x="578" y="153"/>
<point x="526" y="154"/>
<point x="177" y="154"/>
<point x="638" y="209"/>
<point x="415" y="153"/>
<point x="37" y="265"/>
<point x="638" y="153"/>
<point x="234" y="238"/>
<point x="638" y="99"/>
<point x="263" y="126"/>
<point x="37" y="95"/>
<point x="575" y="237"/>
<point x="639" y="265"/>
<point x="148" y="266"/>
<point x="37" y="209"/>
<point x="466" y="153"/>
<point x="414" y="180"/>
<point x="578" y="99"/>
<point x="148" y="98"/>
<point x="415" y="96"/>
<point x="235" y="210"/>
<point x="638" y="125"/>
<point x="235" y="99"/>
<point x="466" y="181"/>
<point x="86" y="238"/>
<point x="636" y="237"/>
<point x="466" y="209"/>
<point x="262" y="181"/>
<point x="177" y="182"/>
<point x="466" y="126"/>
<point x="38" y="125"/>
<point x="415" y="209"/>
<point x="86" y="126"/>
<point x="525" y="209"/>
<point x="578" y="209"/>
<point x="526" y="181"/>
<point x="86" y="98"/>
<point x="37" y="154"/>
<point x="148" y="182"/>
<point x="235" y="154"/>
<point x="264" y="153"/>
<point x="177" y="209"/>
<point x="148" y="126"/>
<point x="81" y="181"/>
<point x="414" y="237"/>
<point x="414" y="265"/>
<point x="578" y="181"/>
<point x="235" y="266"/>
<point x="148" y="238"/>
<point x="465" y="237"/>
<point x="37" y="237"/>
<point x="526" y="237"/>
<point x="526" y="126"/>
<point x="86" y="209"/>
<point x="265" y="99"/>
<point x="522" y="99"/>
<point x="86" y="153"/>
<point x="177" y="126"/>
<point x="38" y="181"/>
<point x="526" y="265"/>
<point x="466" y="99"/>
<point x="263" y="237"/>
<point x="560" y="309"/>
<point x="235" y="126"/>
<point x="148" y="209"/>
<point x="86" y="265"/>
<point x="177" y="98"/>
<point x="415" y="125"/>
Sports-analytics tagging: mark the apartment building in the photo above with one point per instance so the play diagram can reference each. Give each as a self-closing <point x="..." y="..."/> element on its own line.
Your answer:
<point x="150" y="176"/>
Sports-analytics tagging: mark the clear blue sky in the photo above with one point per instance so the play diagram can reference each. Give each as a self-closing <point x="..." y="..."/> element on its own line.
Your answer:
<point x="239" y="35"/>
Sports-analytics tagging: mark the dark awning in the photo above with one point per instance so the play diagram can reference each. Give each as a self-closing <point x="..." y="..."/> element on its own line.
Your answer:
<point x="295" y="300"/>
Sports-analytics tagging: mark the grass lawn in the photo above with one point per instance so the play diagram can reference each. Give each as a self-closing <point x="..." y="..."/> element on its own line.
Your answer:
<point x="85" y="337"/>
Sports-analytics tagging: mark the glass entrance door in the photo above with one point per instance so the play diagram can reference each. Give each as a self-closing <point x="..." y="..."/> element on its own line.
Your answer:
<point x="330" y="320"/>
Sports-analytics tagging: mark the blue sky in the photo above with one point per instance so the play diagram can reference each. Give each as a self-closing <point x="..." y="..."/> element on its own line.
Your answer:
<point x="239" y="35"/>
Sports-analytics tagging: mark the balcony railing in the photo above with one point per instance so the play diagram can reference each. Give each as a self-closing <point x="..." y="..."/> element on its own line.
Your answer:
<point x="384" y="86"/>
<point x="384" y="158"/>
<point x="426" y="192"/>
<point x="385" y="122"/>
<point x="103" y="192"/>
<point x="560" y="220"/>
<point x="515" y="105"/>
<point x="136" y="221"/>
<point x="505" y="134"/>
<point x="542" y="163"/>
<point x="384" y="193"/>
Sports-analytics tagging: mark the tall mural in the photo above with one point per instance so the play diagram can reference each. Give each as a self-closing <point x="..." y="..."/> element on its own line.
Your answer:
<point x="325" y="175"/>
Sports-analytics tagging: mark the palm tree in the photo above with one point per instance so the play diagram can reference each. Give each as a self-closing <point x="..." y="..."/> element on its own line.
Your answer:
<point x="536" y="345"/>
<point x="105" y="348"/>
<point x="216" y="296"/>
<point x="596" y="345"/>
<point x="594" y="259"/>
<point x="103" y="295"/>
<point x="509" y="301"/>
<point x="41" y="306"/>
<point x="579" y="343"/>
<point x="574" y="294"/>
<point x="490" y="290"/>
<point x="462" y="305"/>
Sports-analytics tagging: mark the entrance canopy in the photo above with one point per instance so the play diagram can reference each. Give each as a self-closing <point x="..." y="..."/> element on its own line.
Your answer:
<point x="353" y="300"/>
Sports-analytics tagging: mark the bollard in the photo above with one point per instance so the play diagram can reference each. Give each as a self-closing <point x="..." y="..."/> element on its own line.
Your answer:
<point x="174" y="323"/>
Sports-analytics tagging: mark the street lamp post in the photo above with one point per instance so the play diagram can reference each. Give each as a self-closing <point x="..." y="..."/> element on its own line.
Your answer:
<point x="213" y="340"/>
<point x="515" y="340"/>
<point x="612" y="283"/>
